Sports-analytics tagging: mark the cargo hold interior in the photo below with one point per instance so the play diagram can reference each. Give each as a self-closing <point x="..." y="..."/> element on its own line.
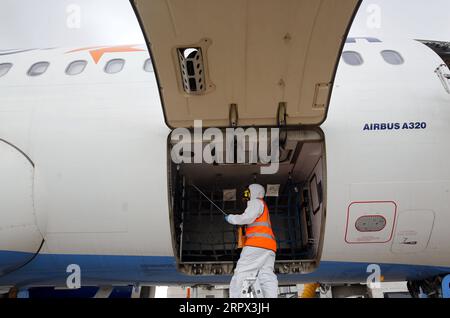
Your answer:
<point x="204" y="244"/>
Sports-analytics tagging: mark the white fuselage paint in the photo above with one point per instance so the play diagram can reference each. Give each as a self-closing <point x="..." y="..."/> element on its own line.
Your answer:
<point x="408" y="167"/>
<point x="99" y="145"/>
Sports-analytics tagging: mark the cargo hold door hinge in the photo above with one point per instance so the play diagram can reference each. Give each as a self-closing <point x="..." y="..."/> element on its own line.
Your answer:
<point x="282" y="115"/>
<point x="282" y="123"/>
<point x="233" y="115"/>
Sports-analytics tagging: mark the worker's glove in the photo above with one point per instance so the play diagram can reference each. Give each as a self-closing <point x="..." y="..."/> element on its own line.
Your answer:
<point x="226" y="218"/>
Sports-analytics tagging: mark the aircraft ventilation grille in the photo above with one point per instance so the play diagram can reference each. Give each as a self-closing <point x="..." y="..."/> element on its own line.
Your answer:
<point x="192" y="70"/>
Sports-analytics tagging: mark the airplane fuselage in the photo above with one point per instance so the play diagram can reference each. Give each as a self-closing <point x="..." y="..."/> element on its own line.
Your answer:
<point x="85" y="163"/>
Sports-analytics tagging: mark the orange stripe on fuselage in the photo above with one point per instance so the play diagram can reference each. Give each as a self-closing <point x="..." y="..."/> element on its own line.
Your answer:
<point x="98" y="51"/>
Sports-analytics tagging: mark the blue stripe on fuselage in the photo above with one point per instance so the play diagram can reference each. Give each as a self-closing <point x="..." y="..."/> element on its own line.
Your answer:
<point x="50" y="270"/>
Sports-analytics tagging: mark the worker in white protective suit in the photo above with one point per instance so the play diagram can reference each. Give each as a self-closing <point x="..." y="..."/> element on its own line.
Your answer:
<point x="258" y="254"/>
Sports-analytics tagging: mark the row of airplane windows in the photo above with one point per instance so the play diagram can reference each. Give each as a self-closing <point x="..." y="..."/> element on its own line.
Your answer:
<point x="353" y="58"/>
<point x="76" y="67"/>
<point x="116" y="65"/>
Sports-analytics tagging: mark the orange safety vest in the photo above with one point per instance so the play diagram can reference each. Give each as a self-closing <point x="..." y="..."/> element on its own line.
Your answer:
<point x="259" y="233"/>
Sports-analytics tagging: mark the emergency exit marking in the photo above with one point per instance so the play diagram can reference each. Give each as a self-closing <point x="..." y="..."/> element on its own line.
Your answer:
<point x="370" y="222"/>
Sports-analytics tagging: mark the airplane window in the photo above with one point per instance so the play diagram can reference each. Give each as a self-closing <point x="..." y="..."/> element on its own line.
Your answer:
<point x="38" y="68"/>
<point x="392" y="57"/>
<point x="76" y="67"/>
<point x="114" y="66"/>
<point x="148" y="65"/>
<point x="352" y="58"/>
<point x="4" y="68"/>
<point x="368" y="39"/>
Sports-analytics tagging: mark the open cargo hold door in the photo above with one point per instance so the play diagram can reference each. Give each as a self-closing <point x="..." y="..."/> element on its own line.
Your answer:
<point x="245" y="58"/>
<point x="240" y="63"/>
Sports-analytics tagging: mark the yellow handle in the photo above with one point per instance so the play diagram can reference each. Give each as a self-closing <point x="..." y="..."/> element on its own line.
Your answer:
<point x="241" y="237"/>
<point x="310" y="291"/>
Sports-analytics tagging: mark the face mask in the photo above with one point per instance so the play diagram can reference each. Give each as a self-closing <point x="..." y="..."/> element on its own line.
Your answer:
<point x="246" y="196"/>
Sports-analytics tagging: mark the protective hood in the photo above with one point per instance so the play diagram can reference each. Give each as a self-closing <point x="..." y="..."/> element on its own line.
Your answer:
<point x="257" y="191"/>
